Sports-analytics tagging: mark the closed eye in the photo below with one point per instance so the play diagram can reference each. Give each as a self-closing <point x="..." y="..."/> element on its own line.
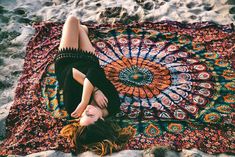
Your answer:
<point x="89" y="115"/>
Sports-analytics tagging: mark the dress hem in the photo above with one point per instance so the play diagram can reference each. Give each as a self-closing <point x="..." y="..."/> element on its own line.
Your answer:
<point x="70" y="52"/>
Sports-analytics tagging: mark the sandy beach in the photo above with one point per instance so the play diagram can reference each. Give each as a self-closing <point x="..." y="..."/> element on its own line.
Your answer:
<point x="17" y="16"/>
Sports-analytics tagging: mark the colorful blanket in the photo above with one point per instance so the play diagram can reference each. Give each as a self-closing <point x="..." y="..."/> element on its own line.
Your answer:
<point x="176" y="82"/>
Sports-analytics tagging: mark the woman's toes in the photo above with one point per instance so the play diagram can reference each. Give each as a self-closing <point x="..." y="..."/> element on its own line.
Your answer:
<point x="74" y="116"/>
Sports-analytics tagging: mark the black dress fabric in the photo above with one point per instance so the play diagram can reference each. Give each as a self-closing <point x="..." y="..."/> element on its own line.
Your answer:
<point x="88" y="64"/>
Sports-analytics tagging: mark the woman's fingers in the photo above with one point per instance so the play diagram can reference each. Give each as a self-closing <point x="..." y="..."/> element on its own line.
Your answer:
<point x="75" y="115"/>
<point x="106" y="100"/>
<point x="99" y="103"/>
<point x="102" y="103"/>
<point x="101" y="99"/>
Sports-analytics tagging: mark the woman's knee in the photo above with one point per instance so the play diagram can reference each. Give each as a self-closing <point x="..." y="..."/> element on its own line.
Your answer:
<point x="70" y="34"/>
<point x="72" y="19"/>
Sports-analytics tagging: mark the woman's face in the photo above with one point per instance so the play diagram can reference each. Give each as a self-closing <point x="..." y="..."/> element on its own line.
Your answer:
<point x="90" y="115"/>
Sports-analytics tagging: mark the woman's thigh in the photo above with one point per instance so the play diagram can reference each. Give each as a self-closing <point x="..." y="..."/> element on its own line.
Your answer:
<point x="85" y="43"/>
<point x="70" y="33"/>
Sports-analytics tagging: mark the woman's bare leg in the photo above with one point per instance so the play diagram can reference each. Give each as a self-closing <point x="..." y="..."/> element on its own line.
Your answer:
<point x="70" y="33"/>
<point x="70" y="38"/>
<point x="84" y="27"/>
<point x="85" y="43"/>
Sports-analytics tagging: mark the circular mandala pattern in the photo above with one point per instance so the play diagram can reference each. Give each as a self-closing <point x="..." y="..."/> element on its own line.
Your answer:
<point x="166" y="75"/>
<point x="135" y="76"/>
<point x="138" y="77"/>
<point x="191" y="85"/>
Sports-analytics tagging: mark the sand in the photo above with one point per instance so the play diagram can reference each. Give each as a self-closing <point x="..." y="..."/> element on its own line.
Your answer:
<point x="16" y="17"/>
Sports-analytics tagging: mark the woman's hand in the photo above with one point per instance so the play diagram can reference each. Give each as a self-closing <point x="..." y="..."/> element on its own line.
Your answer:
<point x="78" y="111"/>
<point x="100" y="99"/>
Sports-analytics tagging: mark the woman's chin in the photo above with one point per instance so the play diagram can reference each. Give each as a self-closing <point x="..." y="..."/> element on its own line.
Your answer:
<point x="86" y="122"/>
<point x="82" y="123"/>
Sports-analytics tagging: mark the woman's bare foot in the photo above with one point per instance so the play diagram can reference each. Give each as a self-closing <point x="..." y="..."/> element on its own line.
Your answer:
<point x="84" y="27"/>
<point x="78" y="111"/>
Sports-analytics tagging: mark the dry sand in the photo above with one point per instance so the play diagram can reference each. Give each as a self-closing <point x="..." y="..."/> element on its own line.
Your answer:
<point x="16" y="17"/>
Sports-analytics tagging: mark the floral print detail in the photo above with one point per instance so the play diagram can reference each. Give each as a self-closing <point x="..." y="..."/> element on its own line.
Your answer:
<point x="175" y="127"/>
<point x="175" y="82"/>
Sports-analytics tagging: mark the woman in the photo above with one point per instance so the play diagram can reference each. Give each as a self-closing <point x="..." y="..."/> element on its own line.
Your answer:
<point x="87" y="94"/>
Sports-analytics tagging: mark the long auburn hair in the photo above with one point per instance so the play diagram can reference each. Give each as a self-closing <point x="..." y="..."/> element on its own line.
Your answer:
<point x="101" y="137"/>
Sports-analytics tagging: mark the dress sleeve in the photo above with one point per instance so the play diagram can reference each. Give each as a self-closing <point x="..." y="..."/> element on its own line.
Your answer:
<point x="96" y="76"/>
